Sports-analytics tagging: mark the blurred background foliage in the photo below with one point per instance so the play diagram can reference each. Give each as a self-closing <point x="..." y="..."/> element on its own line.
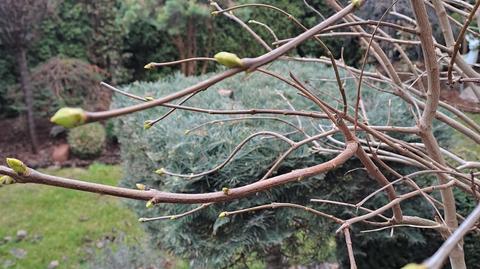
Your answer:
<point x="120" y="37"/>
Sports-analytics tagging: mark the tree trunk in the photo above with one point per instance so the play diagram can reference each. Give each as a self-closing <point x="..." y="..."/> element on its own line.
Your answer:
<point x="26" y="86"/>
<point x="190" y="47"/>
<point x="274" y="258"/>
<point x="209" y="45"/>
<point x="178" y="42"/>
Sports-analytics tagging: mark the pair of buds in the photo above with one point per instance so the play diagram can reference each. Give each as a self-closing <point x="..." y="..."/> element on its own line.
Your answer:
<point x="16" y="165"/>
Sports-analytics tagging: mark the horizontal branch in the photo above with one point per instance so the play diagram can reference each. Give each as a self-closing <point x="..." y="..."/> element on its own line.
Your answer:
<point x="184" y="198"/>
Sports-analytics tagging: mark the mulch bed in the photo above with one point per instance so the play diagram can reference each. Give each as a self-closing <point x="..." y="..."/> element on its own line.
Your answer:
<point x="15" y="142"/>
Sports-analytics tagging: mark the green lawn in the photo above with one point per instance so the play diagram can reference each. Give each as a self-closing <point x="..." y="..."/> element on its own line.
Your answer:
<point x="63" y="225"/>
<point x="463" y="146"/>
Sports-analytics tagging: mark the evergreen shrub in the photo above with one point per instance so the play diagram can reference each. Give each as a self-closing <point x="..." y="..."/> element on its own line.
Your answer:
<point x="173" y="145"/>
<point x="87" y="141"/>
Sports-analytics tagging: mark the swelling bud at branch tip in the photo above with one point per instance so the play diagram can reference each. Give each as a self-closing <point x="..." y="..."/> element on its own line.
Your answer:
<point x="147" y="124"/>
<point x="222" y="215"/>
<point x="18" y="166"/>
<point x="228" y="59"/>
<point x="160" y="171"/>
<point x="357" y="3"/>
<point x="149" y="66"/>
<point x="69" y="117"/>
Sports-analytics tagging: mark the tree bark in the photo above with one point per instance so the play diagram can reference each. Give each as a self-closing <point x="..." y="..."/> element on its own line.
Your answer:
<point x="26" y="86"/>
<point x="457" y="255"/>
<point x="191" y="47"/>
<point x="178" y="42"/>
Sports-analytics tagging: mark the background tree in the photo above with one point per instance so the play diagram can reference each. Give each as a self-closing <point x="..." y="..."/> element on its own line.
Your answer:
<point x="19" y="27"/>
<point x="183" y="21"/>
<point x="105" y="46"/>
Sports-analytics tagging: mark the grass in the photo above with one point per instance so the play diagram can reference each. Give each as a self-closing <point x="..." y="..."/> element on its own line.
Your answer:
<point x="463" y="146"/>
<point x="62" y="224"/>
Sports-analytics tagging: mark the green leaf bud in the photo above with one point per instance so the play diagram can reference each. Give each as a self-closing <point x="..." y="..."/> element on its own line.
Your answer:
<point x="18" y="166"/>
<point x="141" y="187"/>
<point x="147" y="124"/>
<point x="149" y="66"/>
<point x="6" y="180"/>
<point x="149" y="204"/>
<point x="160" y="171"/>
<point x="357" y="3"/>
<point x="69" y="117"/>
<point x="228" y="59"/>
<point x="223" y="214"/>
<point x="225" y="190"/>
<point x="149" y="98"/>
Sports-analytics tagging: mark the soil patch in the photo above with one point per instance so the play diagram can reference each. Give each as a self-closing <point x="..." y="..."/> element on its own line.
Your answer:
<point x="15" y="142"/>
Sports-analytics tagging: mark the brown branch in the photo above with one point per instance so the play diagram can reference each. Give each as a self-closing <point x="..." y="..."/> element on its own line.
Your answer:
<point x="459" y="40"/>
<point x="185" y="198"/>
<point x="425" y="125"/>
<point x="401" y="198"/>
<point x="437" y="260"/>
<point x="348" y="242"/>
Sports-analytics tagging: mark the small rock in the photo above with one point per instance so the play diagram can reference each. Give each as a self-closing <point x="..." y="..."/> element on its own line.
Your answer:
<point x="60" y="153"/>
<point x="8" y="263"/>
<point x="21" y="234"/>
<point x="18" y="253"/>
<point x="53" y="264"/>
<point x="7" y="239"/>
<point x="100" y="244"/>
<point x="89" y="251"/>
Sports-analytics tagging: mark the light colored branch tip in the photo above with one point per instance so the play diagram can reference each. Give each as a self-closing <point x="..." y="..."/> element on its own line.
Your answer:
<point x="228" y="59"/>
<point x="6" y="180"/>
<point x="223" y="214"/>
<point x="18" y="166"/>
<point x="69" y="117"/>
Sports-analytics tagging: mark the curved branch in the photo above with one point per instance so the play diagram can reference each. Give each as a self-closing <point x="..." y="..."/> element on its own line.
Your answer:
<point x="184" y="198"/>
